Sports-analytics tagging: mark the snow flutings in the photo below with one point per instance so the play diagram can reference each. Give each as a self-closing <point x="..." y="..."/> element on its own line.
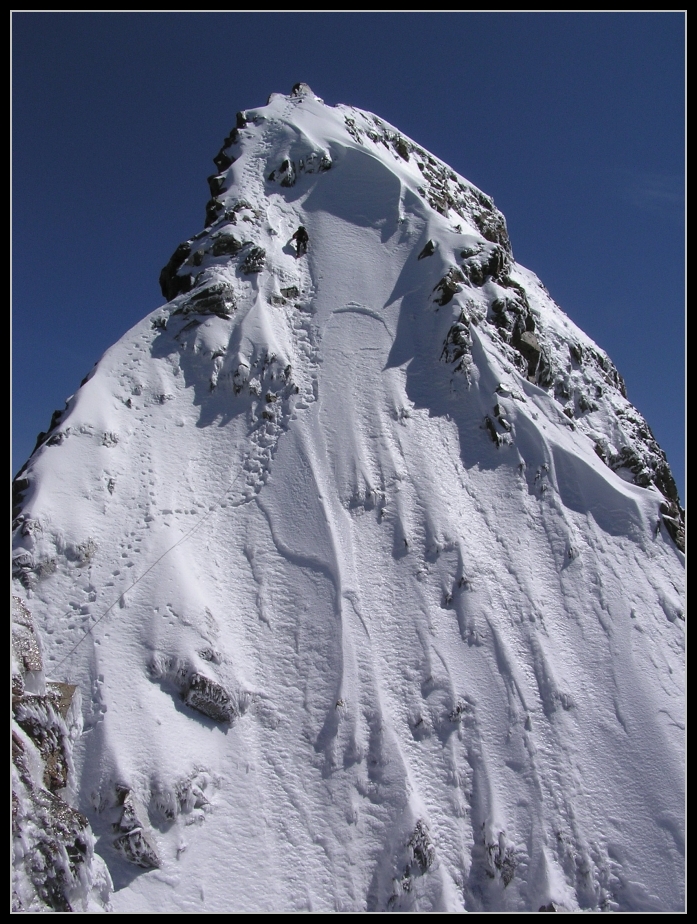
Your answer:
<point x="367" y="572"/>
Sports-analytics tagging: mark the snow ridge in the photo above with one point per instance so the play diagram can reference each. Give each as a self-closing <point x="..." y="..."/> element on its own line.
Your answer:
<point x="423" y="649"/>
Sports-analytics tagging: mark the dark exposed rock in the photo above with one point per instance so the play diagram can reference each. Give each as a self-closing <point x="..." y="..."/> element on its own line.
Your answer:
<point x="46" y="436"/>
<point x="232" y="138"/>
<point x="673" y="517"/>
<point x="43" y="718"/>
<point x="301" y="89"/>
<point x="285" y="174"/>
<point x="137" y="849"/>
<point x="28" y="570"/>
<point x="494" y="264"/>
<point x="40" y="440"/>
<point x="458" y="342"/>
<point x="529" y="347"/>
<point x="214" y="208"/>
<point x="136" y="841"/>
<point x="429" y="250"/>
<point x="499" y="414"/>
<point x="576" y="352"/>
<point x="218" y="299"/>
<point x="222" y="160"/>
<point x="53" y="843"/>
<point x="22" y="566"/>
<point x="20" y="485"/>
<point x="353" y="129"/>
<point x="61" y="844"/>
<point x="545" y="371"/>
<point x="443" y="191"/>
<point x="290" y="292"/>
<point x="33" y="718"/>
<point x="210" y="698"/>
<point x="449" y="285"/>
<point x="646" y="461"/>
<point x="501" y="860"/>
<point x="216" y="182"/>
<point x="401" y="147"/>
<point x="200" y="692"/>
<point x="474" y="272"/>
<point x="25" y="642"/>
<point x="254" y="261"/>
<point x="289" y="171"/>
<point x="316" y="162"/>
<point x="492" y="225"/>
<point x="88" y="376"/>
<point x="602" y="364"/>
<point x="508" y="283"/>
<point x="586" y="404"/>
<point x="225" y="244"/>
<point x="497" y="262"/>
<point x="493" y="432"/>
<point x="171" y="283"/>
<point x="422" y="849"/>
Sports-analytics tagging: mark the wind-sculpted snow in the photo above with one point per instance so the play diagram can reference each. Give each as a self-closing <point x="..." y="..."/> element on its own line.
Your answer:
<point x="363" y="562"/>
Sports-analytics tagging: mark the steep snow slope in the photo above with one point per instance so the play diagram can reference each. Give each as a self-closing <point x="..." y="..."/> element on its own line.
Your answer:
<point x="367" y="569"/>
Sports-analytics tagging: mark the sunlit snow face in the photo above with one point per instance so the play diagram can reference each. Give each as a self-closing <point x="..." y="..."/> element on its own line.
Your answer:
<point x="338" y="547"/>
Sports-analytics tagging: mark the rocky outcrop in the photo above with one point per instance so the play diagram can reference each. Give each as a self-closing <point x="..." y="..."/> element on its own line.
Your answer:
<point x="210" y="698"/>
<point x="189" y="269"/>
<point x="449" y="285"/>
<point x="428" y="251"/>
<point x="529" y="348"/>
<point x="55" y="867"/>
<point x="171" y="282"/>
<point x="421" y="849"/>
<point x="254" y="261"/>
<point x="225" y="244"/>
<point x="458" y="342"/>
<point x="198" y="690"/>
<point x="299" y="90"/>
<point x="289" y="171"/>
<point x="135" y="839"/>
<point x="218" y="299"/>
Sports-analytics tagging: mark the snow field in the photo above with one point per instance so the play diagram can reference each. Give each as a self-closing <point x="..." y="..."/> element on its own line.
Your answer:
<point x="455" y="664"/>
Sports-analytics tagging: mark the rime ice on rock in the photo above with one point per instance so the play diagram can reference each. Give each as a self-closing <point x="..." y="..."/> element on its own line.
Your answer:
<point x="55" y="867"/>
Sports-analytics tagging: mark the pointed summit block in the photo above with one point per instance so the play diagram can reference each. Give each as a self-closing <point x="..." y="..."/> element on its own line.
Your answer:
<point x="391" y="512"/>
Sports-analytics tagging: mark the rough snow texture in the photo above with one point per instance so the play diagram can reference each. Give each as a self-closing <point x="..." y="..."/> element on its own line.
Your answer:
<point x="417" y="643"/>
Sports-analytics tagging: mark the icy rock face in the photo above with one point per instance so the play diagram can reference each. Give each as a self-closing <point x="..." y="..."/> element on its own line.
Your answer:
<point x="368" y="570"/>
<point x="135" y="839"/>
<point x="55" y="867"/>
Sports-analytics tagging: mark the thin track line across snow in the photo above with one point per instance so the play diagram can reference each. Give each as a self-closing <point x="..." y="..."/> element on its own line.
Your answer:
<point x="215" y="506"/>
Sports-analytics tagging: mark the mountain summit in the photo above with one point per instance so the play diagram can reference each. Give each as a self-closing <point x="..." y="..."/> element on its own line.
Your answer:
<point x="367" y="571"/>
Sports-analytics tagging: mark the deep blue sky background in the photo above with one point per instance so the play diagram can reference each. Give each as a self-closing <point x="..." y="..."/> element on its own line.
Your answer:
<point x="574" y="123"/>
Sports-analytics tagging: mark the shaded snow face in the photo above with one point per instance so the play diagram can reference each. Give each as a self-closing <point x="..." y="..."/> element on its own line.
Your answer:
<point x="397" y="616"/>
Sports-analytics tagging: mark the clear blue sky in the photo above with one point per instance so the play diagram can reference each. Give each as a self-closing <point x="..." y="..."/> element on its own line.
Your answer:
<point x="573" y="122"/>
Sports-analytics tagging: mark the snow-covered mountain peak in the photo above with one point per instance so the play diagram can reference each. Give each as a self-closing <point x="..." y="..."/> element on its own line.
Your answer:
<point x="367" y="569"/>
